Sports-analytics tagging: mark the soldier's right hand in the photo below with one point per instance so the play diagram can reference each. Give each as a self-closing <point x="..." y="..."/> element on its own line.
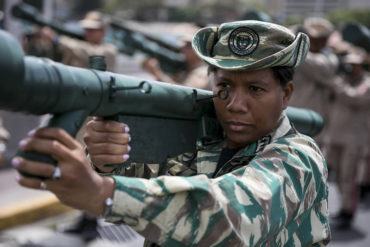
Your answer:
<point x="107" y="142"/>
<point x="47" y="35"/>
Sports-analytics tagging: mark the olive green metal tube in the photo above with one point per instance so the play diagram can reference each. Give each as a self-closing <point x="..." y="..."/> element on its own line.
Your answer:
<point x="305" y="121"/>
<point x="165" y="120"/>
<point x="40" y="86"/>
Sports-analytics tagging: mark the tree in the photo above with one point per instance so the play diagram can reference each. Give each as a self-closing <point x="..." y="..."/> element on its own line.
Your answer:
<point x="343" y="16"/>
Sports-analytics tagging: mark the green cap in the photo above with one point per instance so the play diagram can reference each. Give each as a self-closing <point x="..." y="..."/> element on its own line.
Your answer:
<point x="250" y="45"/>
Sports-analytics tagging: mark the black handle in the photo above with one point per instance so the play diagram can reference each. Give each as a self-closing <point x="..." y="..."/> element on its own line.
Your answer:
<point x="71" y="122"/>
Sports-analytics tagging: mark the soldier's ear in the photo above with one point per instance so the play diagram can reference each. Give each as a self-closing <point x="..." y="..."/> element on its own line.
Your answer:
<point x="287" y="93"/>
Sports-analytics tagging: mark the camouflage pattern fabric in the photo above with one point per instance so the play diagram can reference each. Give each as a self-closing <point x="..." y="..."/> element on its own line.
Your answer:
<point x="250" y="45"/>
<point x="4" y="137"/>
<point x="271" y="193"/>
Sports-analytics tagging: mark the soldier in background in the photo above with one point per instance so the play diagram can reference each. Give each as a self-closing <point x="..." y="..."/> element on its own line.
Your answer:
<point x="195" y="74"/>
<point x="347" y="132"/>
<point x="76" y="52"/>
<point x="4" y="137"/>
<point x="365" y="174"/>
<point x="312" y="81"/>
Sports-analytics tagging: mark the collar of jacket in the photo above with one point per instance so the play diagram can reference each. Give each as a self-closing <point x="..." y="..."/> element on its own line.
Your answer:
<point x="206" y="161"/>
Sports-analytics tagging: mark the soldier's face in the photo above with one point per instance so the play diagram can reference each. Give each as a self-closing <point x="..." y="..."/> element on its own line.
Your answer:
<point x="94" y="36"/>
<point x="253" y="107"/>
<point x="317" y="44"/>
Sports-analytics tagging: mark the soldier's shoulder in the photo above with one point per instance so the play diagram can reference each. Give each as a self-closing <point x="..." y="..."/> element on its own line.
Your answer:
<point x="297" y="146"/>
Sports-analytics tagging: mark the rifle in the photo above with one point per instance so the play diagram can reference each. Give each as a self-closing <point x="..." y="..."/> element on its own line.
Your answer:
<point x="165" y="119"/>
<point x="127" y="40"/>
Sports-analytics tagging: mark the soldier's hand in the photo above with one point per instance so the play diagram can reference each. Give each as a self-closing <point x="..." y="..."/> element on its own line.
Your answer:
<point x="47" y="35"/>
<point x="76" y="184"/>
<point x="107" y="142"/>
<point x="151" y="65"/>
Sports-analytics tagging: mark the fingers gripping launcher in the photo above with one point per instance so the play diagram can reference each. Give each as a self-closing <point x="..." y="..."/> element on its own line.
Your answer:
<point x="165" y="119"/>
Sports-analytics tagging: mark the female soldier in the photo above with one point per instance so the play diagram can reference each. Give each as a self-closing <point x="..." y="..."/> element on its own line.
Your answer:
<point x="263" y="184"/>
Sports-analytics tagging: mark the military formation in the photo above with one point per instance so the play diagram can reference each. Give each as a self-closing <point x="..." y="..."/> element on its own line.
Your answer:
<point x="334" y="81"/>
<point x="271" y="189"/>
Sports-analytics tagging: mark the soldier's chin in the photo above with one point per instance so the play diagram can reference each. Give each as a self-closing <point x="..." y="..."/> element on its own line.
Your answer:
<point x="237" y="140"/>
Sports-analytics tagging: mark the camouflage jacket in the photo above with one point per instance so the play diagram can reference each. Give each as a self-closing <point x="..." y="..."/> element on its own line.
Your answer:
<point x="271" y="193"/>
<point x="4" y="137"/>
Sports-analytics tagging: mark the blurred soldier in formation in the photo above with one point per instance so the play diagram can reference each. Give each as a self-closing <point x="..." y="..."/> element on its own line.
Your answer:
<point x="312" y="81"/>
<point x="77" y="52"/>
<point x="365" y="171"/>
<point x="347" y="132"/>
<point x="196" y="73"/>
<point x="4" y="137"/>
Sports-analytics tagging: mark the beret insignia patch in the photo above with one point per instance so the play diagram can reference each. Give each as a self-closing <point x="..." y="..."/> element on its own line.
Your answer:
<point x="243" y="41"/>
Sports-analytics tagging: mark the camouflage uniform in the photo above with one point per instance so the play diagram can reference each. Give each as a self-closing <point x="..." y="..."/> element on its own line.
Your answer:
<point x="272" y="192"/>
<point x="278" y="48"/>
<point x="4" y="137"/>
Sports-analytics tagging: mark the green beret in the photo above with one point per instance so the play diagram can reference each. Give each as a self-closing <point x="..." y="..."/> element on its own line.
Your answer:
<point x="250" y="45"/>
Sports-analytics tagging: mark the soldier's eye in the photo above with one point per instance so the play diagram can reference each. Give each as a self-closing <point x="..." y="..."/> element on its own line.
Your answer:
<point x="255" y="89"/>
<point x="223" y="84"/>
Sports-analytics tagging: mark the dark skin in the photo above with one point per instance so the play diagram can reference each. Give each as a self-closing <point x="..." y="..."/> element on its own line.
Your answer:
<point x="356" y="73"/>
<point x="256" y="100"/>
<point x="87" y="194"/>
<point x="94" y="36"/>
<point x="252" y="110"/>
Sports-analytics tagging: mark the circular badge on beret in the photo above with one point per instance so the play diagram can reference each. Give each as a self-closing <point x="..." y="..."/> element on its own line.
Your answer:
<point x="243" y="41"/>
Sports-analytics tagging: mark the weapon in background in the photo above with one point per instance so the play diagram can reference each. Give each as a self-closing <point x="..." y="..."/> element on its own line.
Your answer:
<point x="120" y="24"/>
<point x="126" y="39"/>
<point x="165" y="119"/>
<point x="169" y="57"/>
<point x="31" y="14"/>
<point x="356" y="34"/>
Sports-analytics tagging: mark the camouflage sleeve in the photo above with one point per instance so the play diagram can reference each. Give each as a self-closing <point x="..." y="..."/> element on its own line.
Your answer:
<point x="180" y="165"/>
<point x="138" y="170"/>
<point x="280" y="198"/>
<point x="4" y="137"/>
